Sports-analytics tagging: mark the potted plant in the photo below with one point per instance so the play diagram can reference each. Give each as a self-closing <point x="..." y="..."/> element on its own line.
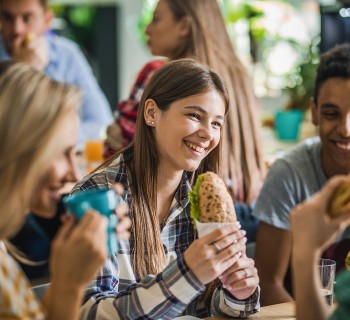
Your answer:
<point x="300" y="86"/>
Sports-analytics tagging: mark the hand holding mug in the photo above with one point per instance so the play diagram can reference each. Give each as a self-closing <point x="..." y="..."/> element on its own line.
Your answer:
<point x="105" y="202"/>
<point x="78" y="251"/>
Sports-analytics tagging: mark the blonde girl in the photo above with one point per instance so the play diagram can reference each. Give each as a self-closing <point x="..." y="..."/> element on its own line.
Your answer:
<point x="38" y="130"/>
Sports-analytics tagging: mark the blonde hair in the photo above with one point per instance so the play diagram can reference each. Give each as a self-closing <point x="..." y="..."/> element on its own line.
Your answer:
<point x="32" y="112"/>
<point x="208" y="41"/>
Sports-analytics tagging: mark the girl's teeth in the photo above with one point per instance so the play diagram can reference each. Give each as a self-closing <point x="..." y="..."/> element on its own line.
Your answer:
<point x="192" y="146"/>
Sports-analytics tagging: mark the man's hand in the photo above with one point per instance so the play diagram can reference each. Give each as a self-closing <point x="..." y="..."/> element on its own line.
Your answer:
<point x="31" y="50"/>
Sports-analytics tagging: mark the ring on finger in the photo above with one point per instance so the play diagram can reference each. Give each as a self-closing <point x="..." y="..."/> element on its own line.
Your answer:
<point x="215" y="245"/>
<point x="245" y="273"/>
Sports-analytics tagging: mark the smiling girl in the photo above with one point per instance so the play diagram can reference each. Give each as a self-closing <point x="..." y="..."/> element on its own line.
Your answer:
<point x="162" y="272"/>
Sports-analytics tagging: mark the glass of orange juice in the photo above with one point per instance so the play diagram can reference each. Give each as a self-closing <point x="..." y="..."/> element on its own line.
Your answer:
<point x="93" y="154"/>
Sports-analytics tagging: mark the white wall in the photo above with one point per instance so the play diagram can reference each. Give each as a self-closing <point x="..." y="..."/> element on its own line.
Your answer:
<point x="132" y="53"/>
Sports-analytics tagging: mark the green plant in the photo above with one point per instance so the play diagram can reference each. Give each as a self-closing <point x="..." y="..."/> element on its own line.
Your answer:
<point x="300" y="81"/>
<point x="145" y="19"/>
<point x="297" y="80"/>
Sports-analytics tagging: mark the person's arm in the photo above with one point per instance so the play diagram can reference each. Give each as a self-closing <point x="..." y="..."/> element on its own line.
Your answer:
<point x="310" y="304"/>
<point x="313" y="230"/>
<point x="164" y="295"/>
<point x="272" y="256"/>
<point x="168" y="294"/>
<point x="77" y="253"/>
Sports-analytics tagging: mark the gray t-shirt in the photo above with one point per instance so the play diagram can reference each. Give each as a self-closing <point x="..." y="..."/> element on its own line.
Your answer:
<point x="290" y="180"/>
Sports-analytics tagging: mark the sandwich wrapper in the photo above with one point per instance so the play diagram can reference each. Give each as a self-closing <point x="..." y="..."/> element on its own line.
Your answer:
<point x="204" y="228"/>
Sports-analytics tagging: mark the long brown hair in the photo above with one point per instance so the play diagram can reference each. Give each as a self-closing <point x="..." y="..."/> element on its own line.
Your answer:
<point x="243" y="164"/>
<point x="174" y="81"/>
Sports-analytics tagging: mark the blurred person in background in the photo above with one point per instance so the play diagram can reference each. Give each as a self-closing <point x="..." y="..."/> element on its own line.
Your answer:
<point x="25" y="37"/>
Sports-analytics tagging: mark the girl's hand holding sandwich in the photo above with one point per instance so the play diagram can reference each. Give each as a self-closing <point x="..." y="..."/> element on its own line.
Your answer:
<point x="210" y="256"/>
<point x="221" y="253"/>
<point x="241" y="280"/>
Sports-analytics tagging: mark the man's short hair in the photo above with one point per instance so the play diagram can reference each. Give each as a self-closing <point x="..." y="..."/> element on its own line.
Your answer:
<point x="334" y="63"/>
<point x="43" y="3"/>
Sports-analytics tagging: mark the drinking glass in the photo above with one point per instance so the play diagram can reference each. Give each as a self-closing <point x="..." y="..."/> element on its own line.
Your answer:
<point x="326" y="269"/>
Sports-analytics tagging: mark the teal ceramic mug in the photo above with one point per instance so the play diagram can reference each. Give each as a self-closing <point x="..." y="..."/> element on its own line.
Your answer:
<point x="104" y="201"/>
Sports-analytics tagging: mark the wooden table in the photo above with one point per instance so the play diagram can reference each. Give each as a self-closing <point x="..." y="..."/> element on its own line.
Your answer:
<point x="282" y="311"/>
<point x="285" y="311"/>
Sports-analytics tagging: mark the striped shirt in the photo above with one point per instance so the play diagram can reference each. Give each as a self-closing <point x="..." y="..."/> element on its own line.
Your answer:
<point x="117" y="294"/>
<point x="17" y="301"/>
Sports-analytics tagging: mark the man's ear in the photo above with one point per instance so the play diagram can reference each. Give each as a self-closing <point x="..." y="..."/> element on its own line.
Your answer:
<point x="314" y="111"/>
<point x="185" y="26"/>
<point x="150" y="112"/>
<point x="49" y="15"/>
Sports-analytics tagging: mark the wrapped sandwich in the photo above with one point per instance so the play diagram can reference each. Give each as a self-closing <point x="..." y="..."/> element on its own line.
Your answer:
<point x="211" y="203"/>
<point x="340" y="200"/>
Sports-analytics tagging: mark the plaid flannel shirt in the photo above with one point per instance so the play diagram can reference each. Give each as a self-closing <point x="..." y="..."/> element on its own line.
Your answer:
<point x="117" y="294"/>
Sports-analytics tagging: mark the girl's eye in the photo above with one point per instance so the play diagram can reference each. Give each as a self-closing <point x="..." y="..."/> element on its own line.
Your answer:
<point x="217" y="124"/>
<point x="194" y="115"/>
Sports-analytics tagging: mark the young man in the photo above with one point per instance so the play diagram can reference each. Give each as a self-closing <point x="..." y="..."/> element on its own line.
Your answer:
<point x="24" y="37"/>
<point x="303" y="172"/>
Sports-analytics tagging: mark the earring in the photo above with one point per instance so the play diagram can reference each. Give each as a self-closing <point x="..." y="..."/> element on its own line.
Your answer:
<point x="150" y="122"/>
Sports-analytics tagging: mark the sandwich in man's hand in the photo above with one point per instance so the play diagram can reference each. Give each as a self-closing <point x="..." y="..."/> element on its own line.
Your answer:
<point x="340" y="200"/>
<point x="211" y="202"/>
